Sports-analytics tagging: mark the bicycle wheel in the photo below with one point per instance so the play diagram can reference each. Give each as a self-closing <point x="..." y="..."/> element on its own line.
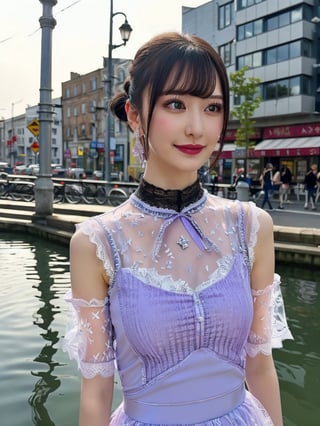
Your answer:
<point x="2" y="189"/>
<point x="72" y="194"/>
<point x="89" y="194"/>
<point x="101" y="195"/>
<point x="58" y="193"/>
<point x="117" y="197"/>
<point x="28" y="194"/>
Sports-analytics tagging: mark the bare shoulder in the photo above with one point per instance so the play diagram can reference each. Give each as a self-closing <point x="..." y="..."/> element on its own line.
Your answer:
<point x="265" y="221"/>
<point x="80" y="242"/>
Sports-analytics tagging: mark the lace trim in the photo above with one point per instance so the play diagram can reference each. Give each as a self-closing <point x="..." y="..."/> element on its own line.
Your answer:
<point x="88" y="338"/>
<point x="172" y="199"/>
<point x="88" y="227"/>
<point x="254" y="228"/>
<point x="90" y="370"/>
<point x="151" y="277"/>
<point x="271" y="313"/>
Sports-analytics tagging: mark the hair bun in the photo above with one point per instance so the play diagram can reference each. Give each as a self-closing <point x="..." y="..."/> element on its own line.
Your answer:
<point x="117" y="106"/>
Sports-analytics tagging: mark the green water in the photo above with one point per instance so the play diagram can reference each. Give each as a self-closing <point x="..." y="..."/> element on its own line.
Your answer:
<point x="39" y="386"/>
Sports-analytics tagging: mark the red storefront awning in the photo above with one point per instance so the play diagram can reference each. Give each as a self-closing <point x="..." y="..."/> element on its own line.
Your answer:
<point x="227" y="150"/>
<point x="289" y="147"/>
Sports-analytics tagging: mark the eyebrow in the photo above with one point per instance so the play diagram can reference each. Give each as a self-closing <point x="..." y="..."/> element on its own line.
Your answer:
<point x="216" y="97"/>
<point x="178" y="92"/>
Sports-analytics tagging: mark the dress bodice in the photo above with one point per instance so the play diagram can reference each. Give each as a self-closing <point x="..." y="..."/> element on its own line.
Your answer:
<point x="179" y="317"/>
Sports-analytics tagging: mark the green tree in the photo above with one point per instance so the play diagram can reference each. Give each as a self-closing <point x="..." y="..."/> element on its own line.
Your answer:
<point x="246" y="93"/>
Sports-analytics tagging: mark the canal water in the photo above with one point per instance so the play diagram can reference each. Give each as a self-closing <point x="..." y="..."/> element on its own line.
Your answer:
<point x="38" y="384"/>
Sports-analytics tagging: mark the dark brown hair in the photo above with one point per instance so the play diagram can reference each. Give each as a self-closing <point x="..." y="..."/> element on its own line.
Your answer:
<point x="173" y="63"/>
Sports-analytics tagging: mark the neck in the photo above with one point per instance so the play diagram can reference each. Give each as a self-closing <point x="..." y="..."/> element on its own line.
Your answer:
<point x="167" y="181"/>
<point x="173" y="199"/>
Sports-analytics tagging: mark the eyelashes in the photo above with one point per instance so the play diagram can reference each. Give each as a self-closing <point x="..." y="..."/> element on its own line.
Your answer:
<point x="178" y="105"/>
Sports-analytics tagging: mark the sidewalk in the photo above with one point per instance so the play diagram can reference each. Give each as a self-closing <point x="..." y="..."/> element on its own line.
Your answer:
<point x="296" y="231"/>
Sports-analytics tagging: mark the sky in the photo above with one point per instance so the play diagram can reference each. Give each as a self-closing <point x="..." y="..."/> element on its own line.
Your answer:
<point x="79" y="41"/>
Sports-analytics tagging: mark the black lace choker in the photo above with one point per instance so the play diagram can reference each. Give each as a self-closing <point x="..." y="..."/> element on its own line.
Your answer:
<point x="173" y="199"/>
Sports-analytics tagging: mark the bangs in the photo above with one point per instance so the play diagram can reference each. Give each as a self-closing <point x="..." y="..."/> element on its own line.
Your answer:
<point x="192" y="73"/>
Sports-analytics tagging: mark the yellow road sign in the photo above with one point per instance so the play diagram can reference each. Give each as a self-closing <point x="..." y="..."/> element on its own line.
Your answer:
<point x="34" y="127"/>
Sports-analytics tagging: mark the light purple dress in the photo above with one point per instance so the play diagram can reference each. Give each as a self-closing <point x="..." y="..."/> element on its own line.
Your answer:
<point x="180" y="317"/>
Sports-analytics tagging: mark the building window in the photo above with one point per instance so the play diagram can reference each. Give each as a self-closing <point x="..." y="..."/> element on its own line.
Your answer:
<point x="68" y="112"/>
<point x="93" y="84"/>
<point x="242" y="4"/>
<point x="75" y="90"/>
<point x="75" y="111"/>
<point x="294" y="49"/>
<point x="83" y="129"/>
<point x="287" y="87"/>
<point x="283" y="88"/>
<point x="83" y="108"/>
<point x="121" y="75"/>
<point x="84" y="88"/>
<point x="250" y="29"/>
<point x="68" y="93"/>
<point x="273" y="22"/>
<point x="276" y="54"/>
<point x="225" y="15"/>
<point x="54" y="141"/>
<point x="225" y="52"/>
<point x="282" y="53"/>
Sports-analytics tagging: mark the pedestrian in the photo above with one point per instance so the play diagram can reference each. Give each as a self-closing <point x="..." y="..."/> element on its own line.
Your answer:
<point x="266" y="180"/>
<point x="285" y="179"/>
<point x="310" y="182"/>
<point x="176" y="285"/>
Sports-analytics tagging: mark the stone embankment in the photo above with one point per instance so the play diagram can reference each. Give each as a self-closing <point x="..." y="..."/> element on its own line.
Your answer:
<point x="292" y="244"/>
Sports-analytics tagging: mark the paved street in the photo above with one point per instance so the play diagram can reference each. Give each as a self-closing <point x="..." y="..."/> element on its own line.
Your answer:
<point x="294" y="215"/>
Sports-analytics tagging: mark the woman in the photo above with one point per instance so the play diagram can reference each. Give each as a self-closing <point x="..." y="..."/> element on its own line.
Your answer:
<point x="176" y="284"/>
<point x="267" y="184"/>
<point x="285" y="179"/>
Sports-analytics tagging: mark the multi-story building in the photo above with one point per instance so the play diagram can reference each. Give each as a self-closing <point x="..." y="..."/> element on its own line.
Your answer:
<point x="16" y="139"/>
<point x="84" y="106"/>
<point x="279" y="41"/>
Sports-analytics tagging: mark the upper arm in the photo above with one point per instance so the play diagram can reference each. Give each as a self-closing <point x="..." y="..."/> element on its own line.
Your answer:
<point x="88" y="277"/>
<point x="262" y="273"/>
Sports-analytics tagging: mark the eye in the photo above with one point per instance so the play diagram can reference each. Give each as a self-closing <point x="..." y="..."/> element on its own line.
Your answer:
<point x="217" y="107"/>
<point x="175" y="104"/>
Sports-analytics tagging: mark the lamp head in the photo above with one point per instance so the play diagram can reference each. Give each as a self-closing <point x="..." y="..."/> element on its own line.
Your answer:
<point x="125" y="31"/>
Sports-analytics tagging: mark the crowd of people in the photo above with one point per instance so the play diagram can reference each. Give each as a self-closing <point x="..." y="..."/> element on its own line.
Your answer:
<point x="280" y="181"/>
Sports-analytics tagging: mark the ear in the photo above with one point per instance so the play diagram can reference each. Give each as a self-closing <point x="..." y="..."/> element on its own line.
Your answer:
<point x="133" y="116"/>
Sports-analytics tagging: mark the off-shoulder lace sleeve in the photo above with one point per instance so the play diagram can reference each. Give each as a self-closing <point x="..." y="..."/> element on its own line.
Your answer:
<point x="96" y="234"/>
<point x="269" y="326"/>
<point x="252" y="229"/>
<point x="88" y="338"/>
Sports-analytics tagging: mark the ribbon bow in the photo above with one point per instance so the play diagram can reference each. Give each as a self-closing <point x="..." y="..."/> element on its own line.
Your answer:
<point x="203" y="242"/>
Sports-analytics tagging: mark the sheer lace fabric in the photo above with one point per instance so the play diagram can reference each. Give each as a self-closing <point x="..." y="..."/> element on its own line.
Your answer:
<point x="179" y="292"/>
<point x="269" y="326"/>
<point x="88" y="339"/>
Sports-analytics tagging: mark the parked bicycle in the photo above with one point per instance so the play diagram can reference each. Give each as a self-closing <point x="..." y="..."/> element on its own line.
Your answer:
<point x="74" y="193"/>
<point x="16" y="190"/>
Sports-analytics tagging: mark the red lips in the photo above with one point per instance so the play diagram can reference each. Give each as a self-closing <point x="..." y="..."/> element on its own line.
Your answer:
<point x="190" y="149"/>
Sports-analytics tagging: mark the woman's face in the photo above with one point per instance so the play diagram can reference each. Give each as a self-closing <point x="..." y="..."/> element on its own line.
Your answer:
<point x="184" y="131"/>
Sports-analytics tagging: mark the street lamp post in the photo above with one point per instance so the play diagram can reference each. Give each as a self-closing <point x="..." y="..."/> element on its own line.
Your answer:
<point x="125" y="31"/>
<point x="44" y="185"/>
<point x="12" y="151"/>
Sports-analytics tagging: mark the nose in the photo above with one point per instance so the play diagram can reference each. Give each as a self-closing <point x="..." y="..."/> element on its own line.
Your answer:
<point x="194" y="124"/>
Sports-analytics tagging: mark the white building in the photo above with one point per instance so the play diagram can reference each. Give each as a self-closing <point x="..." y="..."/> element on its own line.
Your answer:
<point x="279" y="41"/>
<point x="16" y="139"/>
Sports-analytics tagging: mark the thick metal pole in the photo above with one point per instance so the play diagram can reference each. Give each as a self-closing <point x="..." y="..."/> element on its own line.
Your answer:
<point x="44" y="185"/>
<point x="108" y="94"/>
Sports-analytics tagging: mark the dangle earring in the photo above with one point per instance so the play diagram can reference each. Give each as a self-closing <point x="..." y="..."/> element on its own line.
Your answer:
<point x="138" y="149"/>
